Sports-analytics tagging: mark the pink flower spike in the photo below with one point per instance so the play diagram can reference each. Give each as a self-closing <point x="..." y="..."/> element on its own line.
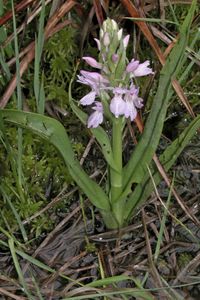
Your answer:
<point x="132" y="66"/>
<point x="126" y="40"/>
<point x="96" y="118"/>
<point x="117" y="105"/>
<point x="88" y="99"/>
<point x="143" y="69"/>
<point x="92" y="62"/>
<point x="98" y="44"/>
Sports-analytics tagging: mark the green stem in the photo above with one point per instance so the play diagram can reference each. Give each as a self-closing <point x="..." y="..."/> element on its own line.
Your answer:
<point x="116" y="176"/>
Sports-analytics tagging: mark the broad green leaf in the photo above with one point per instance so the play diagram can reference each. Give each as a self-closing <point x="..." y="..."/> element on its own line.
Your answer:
<point x="53" y="131"/>
<point x="99" y="133"/>
<point x="167" y="159"/>
<point x="136" y="168"/>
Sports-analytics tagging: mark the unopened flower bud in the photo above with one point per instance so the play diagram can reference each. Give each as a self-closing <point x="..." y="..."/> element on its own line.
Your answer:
<point x="98" y="44"/>
<point x="101" y="33"/>
<point x="126" y="40"/>
<point x="106" y="39"/>
<point x="115" y="58"/>
<point x="114" y="25"/>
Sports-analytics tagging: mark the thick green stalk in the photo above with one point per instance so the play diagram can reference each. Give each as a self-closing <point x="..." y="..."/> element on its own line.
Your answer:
<point x="116" y="175"/>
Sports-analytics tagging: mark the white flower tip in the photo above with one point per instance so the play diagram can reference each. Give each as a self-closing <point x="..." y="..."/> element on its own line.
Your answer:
<point x="101" y="33"/>
<point x="119" y="34"/>
<point x="106" y="39"/>
<point x="98" y="44"/>
<point x="114" y="24"/>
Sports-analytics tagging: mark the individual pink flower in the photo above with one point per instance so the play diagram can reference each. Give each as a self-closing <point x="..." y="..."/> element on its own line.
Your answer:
<point x="96" y="81"/>
<point x="93" y="79"/>
<point x="117" y="104"/>
<point x="138" y="69"/>
<point x="92" y="62"/>
<point x="131" y="102"/>
<point x="96" y="118"/>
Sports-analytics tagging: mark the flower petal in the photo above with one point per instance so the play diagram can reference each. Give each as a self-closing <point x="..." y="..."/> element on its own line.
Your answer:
<point x="130" y="110"/>
<point x="143" y="69"/>
<point x="132" y="66"/>
<point x="126" y="40"/>
<point x="119" y="90"/>
<point x="117" y="106"/>
<point x="88" y="99"/>
<point x="95" y="119"/>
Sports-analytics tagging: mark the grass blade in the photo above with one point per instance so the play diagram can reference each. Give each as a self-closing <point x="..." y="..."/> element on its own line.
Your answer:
<point x="167" y="159"/>
<point x="18" y="269"/>
<point x="38" y="87"/>
<point x="135" y="170"/>
<point x="17" y="217"/>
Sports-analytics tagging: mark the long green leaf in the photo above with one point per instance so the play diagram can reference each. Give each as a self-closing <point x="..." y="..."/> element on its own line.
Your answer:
<point x="167" y="159"/>
<point x="135" y="170"/>
<point x="53" y="131"/>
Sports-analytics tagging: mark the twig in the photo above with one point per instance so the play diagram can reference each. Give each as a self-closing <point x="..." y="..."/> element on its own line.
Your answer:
<point x="11" y="295"/>
<point x="194" y="262"/>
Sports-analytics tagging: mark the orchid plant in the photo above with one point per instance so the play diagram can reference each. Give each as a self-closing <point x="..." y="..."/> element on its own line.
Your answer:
<point x="114" y="96"/>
